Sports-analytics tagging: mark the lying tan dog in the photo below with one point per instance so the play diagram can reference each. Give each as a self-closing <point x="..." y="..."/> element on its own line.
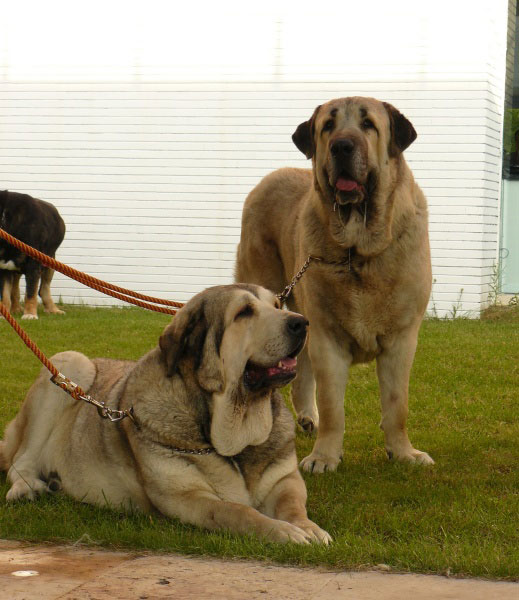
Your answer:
<point x="213" y="442"/>
<point x="362" y="217"/>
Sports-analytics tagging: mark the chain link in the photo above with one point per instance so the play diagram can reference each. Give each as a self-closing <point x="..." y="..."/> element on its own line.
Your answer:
<point x="338" y="263"/>
<point x="197" y="451"/>
<point x="288" y="289"/>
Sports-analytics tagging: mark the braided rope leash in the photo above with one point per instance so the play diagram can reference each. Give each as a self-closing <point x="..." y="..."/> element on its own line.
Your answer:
<point x="96" y="284"/>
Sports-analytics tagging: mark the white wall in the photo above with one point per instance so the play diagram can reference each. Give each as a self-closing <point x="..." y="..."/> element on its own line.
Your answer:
<point x="147" y="124"/>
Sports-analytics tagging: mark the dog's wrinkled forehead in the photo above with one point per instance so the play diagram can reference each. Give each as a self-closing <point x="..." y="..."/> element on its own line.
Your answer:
<point x="349" y="112"/>
<point x="247" y="298"/>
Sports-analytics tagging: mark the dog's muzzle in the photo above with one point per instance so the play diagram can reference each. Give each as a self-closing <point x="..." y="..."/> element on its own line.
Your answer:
<point x="348" y="169"/>
<point x="283" y="371"/>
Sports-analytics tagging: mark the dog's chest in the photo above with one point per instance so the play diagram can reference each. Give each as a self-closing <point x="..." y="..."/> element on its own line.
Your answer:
<point x="359" y="305"/>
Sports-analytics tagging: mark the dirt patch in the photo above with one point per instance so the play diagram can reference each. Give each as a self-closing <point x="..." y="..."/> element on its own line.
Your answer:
<point x="71" y="573"/>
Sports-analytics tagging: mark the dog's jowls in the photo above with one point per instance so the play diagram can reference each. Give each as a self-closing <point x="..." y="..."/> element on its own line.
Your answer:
<point x="209" y="386"/>
<point x="360" y="210"/>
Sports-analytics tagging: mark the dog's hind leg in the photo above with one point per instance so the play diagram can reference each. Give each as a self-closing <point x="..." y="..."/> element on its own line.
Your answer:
<point x="20" y="457"/>
<point x="46" y="298"/>
<point x="33" y="442"/>
<point x="16" y="307"/>
<point x="32" y="279"/>
<point x="303" y="394"/>
<point x="25" y="483"/>
<point x="7" y="284"/>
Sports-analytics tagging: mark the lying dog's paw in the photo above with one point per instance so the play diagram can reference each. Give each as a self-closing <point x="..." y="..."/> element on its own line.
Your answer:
<point x="307" y="424"/>
<point x="413" y="455"/>
<point x="315" y="532"/>
<point x="29" y="317"/>
<point x="282" y="531"/>
<point x="28" y="489"/>
<point x="318" y="463"/>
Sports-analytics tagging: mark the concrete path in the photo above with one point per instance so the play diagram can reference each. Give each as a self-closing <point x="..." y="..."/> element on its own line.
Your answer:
<point x="79" y="573"/>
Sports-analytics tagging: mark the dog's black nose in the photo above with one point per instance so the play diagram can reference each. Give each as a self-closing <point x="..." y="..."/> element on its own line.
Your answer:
<point x="342" y="147"/>
<point x="297" y="325"/>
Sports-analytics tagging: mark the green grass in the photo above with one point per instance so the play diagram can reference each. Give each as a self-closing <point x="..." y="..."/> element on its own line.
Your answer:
<point x="458" y="517"/>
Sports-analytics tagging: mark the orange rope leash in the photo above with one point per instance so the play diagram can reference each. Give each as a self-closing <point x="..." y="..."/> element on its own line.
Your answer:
<point x="96" y="284"/>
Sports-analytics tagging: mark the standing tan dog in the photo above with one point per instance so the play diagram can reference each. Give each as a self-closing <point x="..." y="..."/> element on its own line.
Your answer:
<point x="212" y="442"/>
<point x="361" y="214"/>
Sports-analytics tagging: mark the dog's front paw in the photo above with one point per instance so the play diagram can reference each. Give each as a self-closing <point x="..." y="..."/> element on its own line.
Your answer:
<point x="29" y="317"/>
<point x="319" y="463"/>
<point x="54" y="311"/>
<point x="282" y="531"/>
<point x="314" y="531"/>
<point x="413" y="455"/>
<point x="307" y="424"/>
<point x="28" y="489"/>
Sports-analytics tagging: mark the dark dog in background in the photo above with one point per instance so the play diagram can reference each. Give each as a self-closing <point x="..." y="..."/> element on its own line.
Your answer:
<point x="38" y="224"/>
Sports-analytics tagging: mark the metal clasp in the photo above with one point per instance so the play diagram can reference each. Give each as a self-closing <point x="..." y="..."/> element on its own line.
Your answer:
<point x="103" y="411"/>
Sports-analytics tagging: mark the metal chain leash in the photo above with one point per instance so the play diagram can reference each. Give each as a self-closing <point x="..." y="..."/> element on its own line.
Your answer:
<point x="288" y="289"/>
<point x="197" y="451"/>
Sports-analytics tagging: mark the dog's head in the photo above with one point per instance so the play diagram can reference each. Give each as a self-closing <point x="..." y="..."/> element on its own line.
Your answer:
<point x="234" y="339"/>
<point x="351" y="142"/>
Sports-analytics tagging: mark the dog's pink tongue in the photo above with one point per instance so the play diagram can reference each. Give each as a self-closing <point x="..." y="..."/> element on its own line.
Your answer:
<point x="346" y="185"/>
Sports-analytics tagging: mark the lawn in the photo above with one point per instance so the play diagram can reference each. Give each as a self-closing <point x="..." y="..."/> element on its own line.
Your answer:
<point x="459" y="517"/>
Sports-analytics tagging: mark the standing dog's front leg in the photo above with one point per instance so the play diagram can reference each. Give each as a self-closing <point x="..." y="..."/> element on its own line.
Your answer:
<point x="330" y="364"/>
<point x="303" y="394"/>
<point x="393" y="370"/>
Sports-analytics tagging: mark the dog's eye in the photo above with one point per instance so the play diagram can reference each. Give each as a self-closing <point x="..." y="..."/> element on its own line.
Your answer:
<point x="246" y="311"/>
<point x="328" y="126"/>
<point x="368" y="124"/>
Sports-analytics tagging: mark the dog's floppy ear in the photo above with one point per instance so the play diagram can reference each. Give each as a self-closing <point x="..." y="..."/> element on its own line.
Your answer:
<point x="185" y="334"/>
<point x="191" y="337"/>
<point x="403" y="133"/>
<point x="303" y="136"/>
<point x="210" y="367"/>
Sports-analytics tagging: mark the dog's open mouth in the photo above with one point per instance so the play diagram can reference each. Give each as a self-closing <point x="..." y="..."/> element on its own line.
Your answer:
<point x="259" y="377"/>
<point x="348" y="190"/>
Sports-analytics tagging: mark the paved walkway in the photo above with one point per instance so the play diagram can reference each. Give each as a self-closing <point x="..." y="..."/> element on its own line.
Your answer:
<point x="78" y="573"/>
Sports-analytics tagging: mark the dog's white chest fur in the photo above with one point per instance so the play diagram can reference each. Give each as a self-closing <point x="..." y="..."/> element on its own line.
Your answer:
<point x="8" y="265"/>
